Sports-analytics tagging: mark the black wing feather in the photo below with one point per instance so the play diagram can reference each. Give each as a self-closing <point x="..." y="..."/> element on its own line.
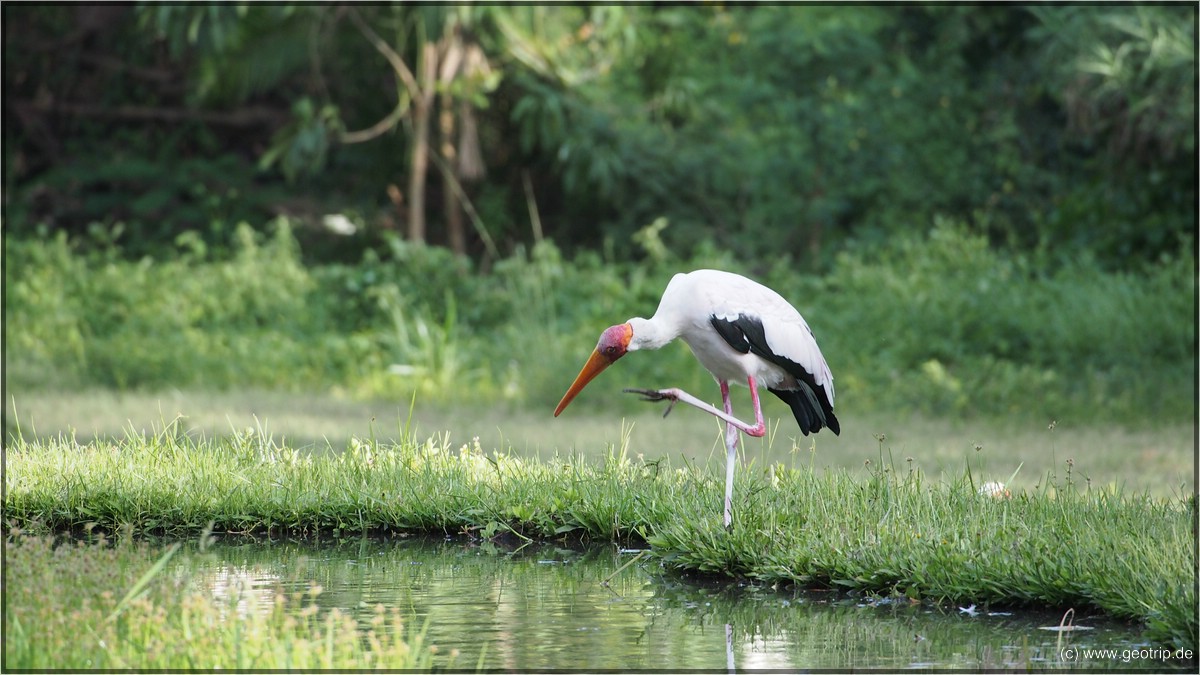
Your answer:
<point x="809" y="401"/>
<point x="732" y="334"/>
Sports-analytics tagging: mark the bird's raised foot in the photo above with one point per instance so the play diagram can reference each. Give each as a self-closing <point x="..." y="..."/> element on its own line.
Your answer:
<point x="653" y="395"/>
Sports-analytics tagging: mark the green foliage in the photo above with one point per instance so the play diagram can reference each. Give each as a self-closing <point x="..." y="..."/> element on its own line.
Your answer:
<point x="224" y="39"/>
<point x="792" y="130"/>
<point x="768" y="130"/>
<point x="954" y="326"/>
<point x="147" y="202"/>
<point x="186" y="321"/>
<point x="944" y="323"/>
<point x="1128" y="74"/>
<point x="302" y="146"/>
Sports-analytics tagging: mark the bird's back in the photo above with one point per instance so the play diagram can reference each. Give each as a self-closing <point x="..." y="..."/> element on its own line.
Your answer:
<point x="704" y="294"/>
<point x="727" y="292"/>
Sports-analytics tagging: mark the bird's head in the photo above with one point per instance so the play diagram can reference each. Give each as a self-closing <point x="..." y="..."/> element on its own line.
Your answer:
<point x="613" y="344"/>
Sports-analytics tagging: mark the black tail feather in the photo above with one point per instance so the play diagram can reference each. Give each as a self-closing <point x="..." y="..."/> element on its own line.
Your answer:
<point x="812" y="411"/>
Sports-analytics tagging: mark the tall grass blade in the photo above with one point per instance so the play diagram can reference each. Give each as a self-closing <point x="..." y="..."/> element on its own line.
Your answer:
<point x="143" y="582"/>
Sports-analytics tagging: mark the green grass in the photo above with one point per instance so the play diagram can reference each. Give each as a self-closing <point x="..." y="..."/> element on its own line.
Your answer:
<point x="74" y="605"/>
<point x="886" y="529"/>
<point x="1158" y="460"/>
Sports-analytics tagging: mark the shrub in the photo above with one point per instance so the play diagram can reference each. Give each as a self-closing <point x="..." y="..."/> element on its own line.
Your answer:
<point x="945" y="323"/>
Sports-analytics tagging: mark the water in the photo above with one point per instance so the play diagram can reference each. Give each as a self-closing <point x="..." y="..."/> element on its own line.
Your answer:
<point x="538" y="607"/>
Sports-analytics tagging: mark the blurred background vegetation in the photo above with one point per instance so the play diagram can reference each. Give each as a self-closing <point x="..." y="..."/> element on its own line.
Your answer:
<point x="981" y="210"/>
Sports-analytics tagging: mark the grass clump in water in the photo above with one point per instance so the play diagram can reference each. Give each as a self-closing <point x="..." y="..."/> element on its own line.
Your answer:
<point x="876" y="531"/>
<point x="77" y="605"/>
<point x="171" y="484"/>
<point x="1130" y="556"/>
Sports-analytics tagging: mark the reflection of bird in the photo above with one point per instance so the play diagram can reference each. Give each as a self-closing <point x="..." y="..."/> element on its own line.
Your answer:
<point x="739" y="330"/>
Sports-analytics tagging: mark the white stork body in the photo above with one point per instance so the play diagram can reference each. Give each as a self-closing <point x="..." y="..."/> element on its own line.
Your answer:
<point x="690" y="303"/>
<point x="742" y="332"/>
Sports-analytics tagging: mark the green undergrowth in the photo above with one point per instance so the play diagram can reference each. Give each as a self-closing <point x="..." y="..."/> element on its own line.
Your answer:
<point x="881" y="530"/>
<point x="945" y="323"/>
<point x="79" y="605"/>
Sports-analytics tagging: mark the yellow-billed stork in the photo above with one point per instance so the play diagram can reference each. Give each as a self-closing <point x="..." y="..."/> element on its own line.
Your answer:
<point x="741" y="331"/>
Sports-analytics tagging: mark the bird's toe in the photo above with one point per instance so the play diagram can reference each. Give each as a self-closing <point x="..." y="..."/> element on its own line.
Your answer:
<point x="650" y="394"/>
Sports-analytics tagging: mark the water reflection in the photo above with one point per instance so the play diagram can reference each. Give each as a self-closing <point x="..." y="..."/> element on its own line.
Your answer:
<point x="544" y="607"/>
<point x="241" y="589"/>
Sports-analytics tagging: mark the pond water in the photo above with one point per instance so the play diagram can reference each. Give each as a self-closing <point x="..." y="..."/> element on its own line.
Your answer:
<point x="541" y="607"/>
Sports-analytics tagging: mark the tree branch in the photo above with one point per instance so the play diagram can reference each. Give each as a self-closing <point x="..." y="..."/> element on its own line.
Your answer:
<point x="397" y="63"/>
<point x="406" y="77"/>
<point x="480" y="228"/>
<point x="378" y="129"/>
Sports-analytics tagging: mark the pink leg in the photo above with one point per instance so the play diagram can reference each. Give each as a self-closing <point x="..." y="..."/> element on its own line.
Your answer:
<point x="758" y="429"/>
<point x="732" y="425"/>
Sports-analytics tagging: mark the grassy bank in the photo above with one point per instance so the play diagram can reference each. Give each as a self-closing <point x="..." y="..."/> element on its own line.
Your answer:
<point x="88" y="606"/>
<point x="1159" y="460"/>
<point x="886" y="529"/>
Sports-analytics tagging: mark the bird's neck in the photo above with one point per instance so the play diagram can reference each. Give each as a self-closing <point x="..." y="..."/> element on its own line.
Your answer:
<point x="651" y="333"/>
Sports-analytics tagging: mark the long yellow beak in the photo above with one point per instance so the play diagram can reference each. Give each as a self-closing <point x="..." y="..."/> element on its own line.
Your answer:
<point x="594" y="366"/>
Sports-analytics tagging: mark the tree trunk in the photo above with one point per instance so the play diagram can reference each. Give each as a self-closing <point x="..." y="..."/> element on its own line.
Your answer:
<point x="454" y="217"/>
<point x="422" y="107"/>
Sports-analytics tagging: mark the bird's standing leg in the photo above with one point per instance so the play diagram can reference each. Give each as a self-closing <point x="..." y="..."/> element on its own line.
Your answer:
<point x="732" y="425"/>
<point x="731" y="439"/>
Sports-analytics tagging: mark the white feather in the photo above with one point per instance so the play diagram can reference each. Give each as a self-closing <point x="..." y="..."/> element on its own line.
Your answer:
<point x="691" y="300"/>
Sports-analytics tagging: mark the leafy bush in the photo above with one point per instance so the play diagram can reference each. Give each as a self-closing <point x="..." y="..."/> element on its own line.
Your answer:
<point x="949" y="324"/>
<point x="187" y="321"/>
<point x="945" y="323"/>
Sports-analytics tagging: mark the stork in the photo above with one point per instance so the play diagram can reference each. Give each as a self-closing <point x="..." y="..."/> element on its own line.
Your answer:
<point x="741" y="331"/>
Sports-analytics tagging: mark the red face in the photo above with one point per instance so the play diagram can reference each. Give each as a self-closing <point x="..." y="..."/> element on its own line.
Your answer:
<point x="614" y="341"/>
<point x="613" y="344"/>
